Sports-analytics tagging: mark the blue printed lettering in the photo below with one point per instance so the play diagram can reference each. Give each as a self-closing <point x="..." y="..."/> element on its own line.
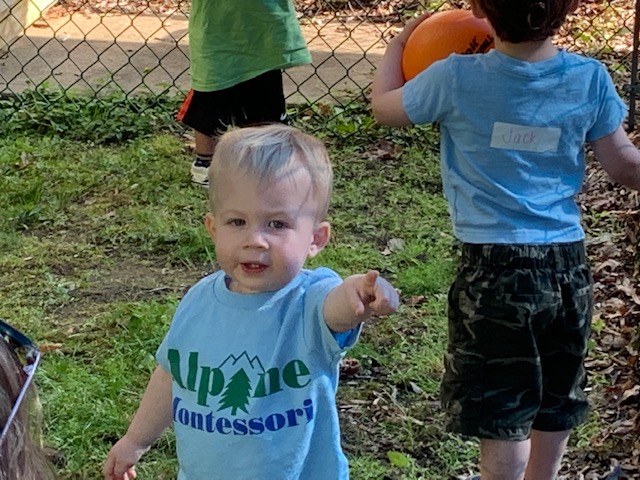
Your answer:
<point x="293" y="414"/>
<point x="208" y="422"/>
<point x="197" y="420"/>
<point x="275" y="422"/>
<point x="223" y="425"/>
<point x="256" y="427"/>
<point x="308" y="407"/>
<point x="240" y="427"/>
<point x="176" y="402"/>
<point x="183" y="416"/>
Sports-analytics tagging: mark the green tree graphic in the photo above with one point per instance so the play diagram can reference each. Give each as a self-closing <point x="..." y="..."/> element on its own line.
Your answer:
<point x="236" y="393"/>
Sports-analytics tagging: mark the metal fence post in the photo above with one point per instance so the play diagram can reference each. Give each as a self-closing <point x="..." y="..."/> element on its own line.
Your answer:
<point x="632" y="88"/>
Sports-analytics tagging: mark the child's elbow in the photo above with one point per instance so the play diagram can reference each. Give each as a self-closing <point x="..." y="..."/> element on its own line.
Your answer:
<point x="388" y="115"/>
<point x="378" y="112"/>
<point x="627" y="176"/>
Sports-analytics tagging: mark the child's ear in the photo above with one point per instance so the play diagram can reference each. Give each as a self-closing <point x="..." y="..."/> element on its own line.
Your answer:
<point x="209" y="223"/>
<point x="321" y="236"/>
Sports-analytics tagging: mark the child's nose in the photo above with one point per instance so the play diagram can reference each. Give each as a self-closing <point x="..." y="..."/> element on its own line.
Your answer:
<point x="256" y="238"/>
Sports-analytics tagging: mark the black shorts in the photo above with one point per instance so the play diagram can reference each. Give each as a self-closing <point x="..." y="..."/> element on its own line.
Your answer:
<point x="257" y="101"/>
<point x="519" y="322"/>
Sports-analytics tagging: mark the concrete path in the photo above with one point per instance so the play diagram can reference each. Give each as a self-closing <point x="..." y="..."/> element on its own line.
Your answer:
<point x="147" y="53"/>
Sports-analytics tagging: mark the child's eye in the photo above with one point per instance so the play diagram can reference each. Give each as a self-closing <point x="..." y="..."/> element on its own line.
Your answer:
<point x="277" y="224"/>
<point x="236" y="222"/>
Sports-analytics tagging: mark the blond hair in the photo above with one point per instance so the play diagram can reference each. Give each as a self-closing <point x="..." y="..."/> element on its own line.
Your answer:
<point x="269" y="152"/>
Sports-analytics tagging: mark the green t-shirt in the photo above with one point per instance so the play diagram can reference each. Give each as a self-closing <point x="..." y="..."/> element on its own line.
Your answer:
<point x="231" y="41"/>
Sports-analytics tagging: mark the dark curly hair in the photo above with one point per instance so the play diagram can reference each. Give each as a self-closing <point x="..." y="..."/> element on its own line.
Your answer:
<point x="519" y="21"/>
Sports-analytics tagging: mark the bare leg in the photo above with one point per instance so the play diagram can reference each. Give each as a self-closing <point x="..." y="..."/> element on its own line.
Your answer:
<point x="546" y="454"/>
<point x="205" y="145"/>
<point x="503" y="459"/>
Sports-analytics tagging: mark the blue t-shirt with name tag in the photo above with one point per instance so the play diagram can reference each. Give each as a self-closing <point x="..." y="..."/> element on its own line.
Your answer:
<point x="254" y="381"/>
<point x="512" y="140"/>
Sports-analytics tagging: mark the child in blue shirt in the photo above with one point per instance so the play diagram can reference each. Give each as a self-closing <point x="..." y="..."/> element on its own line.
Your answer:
<point x="248" y="372"/>
<point x="513" y="126"/>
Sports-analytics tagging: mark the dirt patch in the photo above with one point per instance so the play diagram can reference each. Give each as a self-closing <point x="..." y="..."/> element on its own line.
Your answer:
<point x="127" y="280"/>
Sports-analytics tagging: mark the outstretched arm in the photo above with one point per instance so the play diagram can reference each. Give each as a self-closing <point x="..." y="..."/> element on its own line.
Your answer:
<point x="386" y="94"/>
<point x="619" y="158"/>
<point x="153" y="416"/>
<point x="357" y="298"/>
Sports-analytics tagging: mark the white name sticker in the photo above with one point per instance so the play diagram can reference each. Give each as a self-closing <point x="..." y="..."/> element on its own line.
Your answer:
<point x="522" y="137"/>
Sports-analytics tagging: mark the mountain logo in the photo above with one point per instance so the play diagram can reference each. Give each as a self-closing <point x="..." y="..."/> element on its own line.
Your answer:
<point x="237" y="380"/>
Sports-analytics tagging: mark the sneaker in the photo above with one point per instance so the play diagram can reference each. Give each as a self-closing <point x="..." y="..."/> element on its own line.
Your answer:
<point x="200" y="172"/>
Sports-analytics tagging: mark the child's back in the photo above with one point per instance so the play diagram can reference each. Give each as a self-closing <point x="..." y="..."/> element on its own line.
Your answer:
<point x="512" y="142"/>
<point x="514" y="123"/>
<point x="231" y="42"/>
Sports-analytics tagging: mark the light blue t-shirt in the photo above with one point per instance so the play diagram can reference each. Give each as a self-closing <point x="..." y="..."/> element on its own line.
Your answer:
<point x="512" y="140"/>
<point x="254" y="381"/>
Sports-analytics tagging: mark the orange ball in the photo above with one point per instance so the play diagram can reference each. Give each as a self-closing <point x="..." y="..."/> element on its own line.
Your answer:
<point x="444" y="33"/>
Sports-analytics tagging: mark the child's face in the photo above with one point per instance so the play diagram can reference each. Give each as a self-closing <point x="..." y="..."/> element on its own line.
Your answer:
<point x="263" y="233"/>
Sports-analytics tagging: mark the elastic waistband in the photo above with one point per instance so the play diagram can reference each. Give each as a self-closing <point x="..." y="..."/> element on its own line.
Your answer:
<point x="557" y="256"/>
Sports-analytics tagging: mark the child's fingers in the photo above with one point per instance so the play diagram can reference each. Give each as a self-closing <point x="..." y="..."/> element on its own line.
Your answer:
<point x="124" y="471"/>
<point x="415" y="21"/>
<point x="107" y="469"/>
<point x="127" y="473"/>
<point x="363" y="295"/>
<point x="384" y="305"/>
<point x="374" y="293"/>
<point x="412" y="24"/>
<point x="386" y="300"/>
<point x="369" y="283"/>
<point x="367" y="292"/>
<point x="357" y="304"/>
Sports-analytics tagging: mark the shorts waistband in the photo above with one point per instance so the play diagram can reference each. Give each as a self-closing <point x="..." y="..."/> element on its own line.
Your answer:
<point x="558" y="256"/>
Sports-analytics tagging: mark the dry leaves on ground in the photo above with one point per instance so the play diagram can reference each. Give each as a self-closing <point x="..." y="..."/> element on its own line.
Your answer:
<point x="612" y="215"/>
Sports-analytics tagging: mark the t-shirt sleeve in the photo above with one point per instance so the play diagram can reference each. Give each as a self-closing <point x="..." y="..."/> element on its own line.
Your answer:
<point x="321" y="282"/>
<point x="347" y="339"/>
<point x="178" y="322"/>
<point x="423" y="98"/>
<point x="161" y="355"/>
<point x="612" y="111"/>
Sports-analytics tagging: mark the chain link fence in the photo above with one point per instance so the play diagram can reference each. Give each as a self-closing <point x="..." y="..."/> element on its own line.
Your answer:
<point x="140" y="47"/>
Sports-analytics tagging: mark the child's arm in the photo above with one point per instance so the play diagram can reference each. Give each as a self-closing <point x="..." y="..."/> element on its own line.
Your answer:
<point x="153" y="416"/>
<point x="619" y="158"/>
<point x="355" y="299"/>
<point x="386" y="94"/>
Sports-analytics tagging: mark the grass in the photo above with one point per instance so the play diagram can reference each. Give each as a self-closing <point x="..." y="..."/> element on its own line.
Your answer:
<point x="101" y="234"/>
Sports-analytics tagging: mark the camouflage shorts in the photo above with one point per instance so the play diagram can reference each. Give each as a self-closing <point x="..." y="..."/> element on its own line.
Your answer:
<point x="519" y="321"/>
